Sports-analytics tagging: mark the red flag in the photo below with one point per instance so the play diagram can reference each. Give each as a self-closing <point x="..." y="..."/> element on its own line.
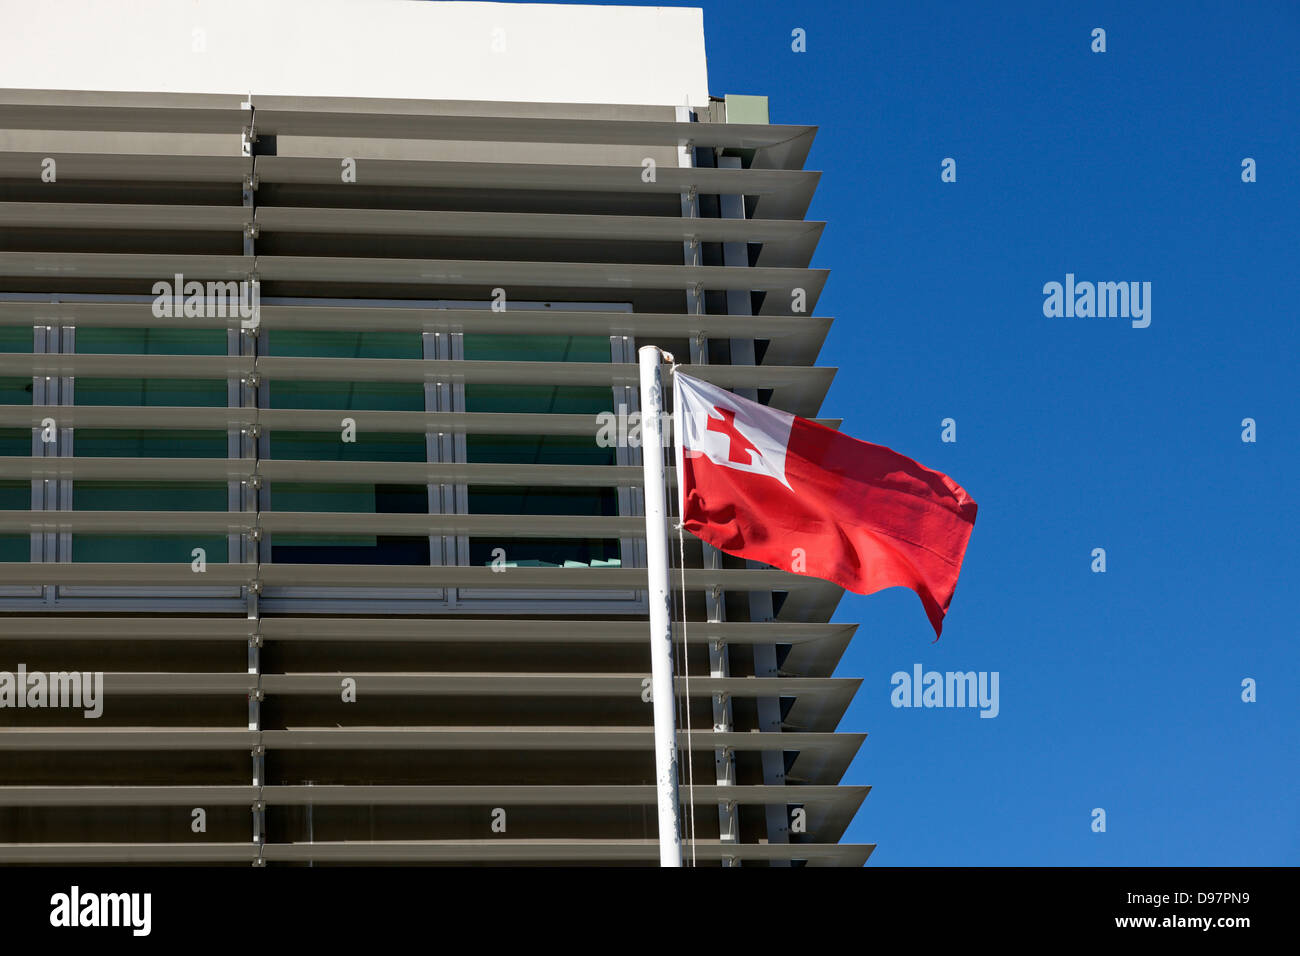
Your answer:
<point x="763" y="484"/>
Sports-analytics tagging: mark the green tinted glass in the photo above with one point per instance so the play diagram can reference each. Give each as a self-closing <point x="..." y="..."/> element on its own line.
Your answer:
<point x="538" y="449"/>
<point x="151" y="341"/>
<point x="346" y="344"/>
<point x="535" y="553"/>
<point x="542" y="501"/>
<point x="16" y="442"/>
<point x="16" y="338"/>
<point x="326" y="446"/>
<point x="148" y="496"/>
<point x="147" y="549"/>
<point x="151" y="391"/>
<point x="373" y="396"/>
<point x="537" y="348"/>
<point x="148" y="443"/>
<point x="15" y="391"/>
<point x="539" y="399"/>
<point x="15" y="495"/>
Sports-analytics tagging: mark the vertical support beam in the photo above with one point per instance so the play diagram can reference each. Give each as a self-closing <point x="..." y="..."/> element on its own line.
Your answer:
<point x="715" y="607"/>
<point x="736" y="255"/>
<point x="251" y="496"/>
<point x="45" y="492"/>
<point x="67" y="343"/>
<point x="724" y="761"/>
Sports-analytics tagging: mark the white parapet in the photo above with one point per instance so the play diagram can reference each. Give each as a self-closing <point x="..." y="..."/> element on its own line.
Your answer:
<point x="394" y="49"/>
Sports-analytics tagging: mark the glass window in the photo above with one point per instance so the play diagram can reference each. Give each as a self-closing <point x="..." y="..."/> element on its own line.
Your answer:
<point x="534" y="399"/>
<point x="148" y="496"/>
<point x="15" y="496"/>
<point x="377" y="498"/>
<point x="16" y="338"/>
<point x="91" y="390"/>
<point x="144" y="495"/>
<point x="15" y="443"/>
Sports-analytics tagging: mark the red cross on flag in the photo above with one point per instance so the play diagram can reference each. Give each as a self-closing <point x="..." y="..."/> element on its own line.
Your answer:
<point x="763" y="484"/>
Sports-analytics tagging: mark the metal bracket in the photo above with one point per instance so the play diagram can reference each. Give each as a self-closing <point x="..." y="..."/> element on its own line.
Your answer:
<point x="251" y="182"/>
<point x="252" y="230"/>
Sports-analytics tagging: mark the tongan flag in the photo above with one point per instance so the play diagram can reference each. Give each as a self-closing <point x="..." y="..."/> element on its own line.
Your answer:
<point x="764" y="484"/>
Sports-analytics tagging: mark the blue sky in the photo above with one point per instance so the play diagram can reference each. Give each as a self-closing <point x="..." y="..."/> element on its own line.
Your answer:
<point x="1119" y="690"/>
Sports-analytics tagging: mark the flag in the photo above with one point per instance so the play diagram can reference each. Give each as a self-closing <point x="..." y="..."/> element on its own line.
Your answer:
<point x="763" y="484"/>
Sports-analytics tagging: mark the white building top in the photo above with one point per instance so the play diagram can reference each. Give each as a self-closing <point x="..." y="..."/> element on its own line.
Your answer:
<point x="399" y="49"/>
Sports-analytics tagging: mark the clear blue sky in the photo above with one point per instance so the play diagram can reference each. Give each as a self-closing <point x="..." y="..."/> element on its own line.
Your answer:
<point x="1119" y="690"/>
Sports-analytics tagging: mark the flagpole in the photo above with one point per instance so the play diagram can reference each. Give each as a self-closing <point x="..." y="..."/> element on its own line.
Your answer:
<point x="660" y="597"/>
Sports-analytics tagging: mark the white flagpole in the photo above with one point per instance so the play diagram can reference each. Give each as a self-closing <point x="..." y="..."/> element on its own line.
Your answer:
<point x="660" y="595"/>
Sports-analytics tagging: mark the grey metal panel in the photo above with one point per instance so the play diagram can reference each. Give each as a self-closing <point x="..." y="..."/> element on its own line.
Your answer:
<point x="192" y="417"/>
<point x="459" y="272"/>
<point x="124" y="522"/>
<point x="40" y="215"/>
<point x="131" y="796"/>
<point x="365" y="472"/>
<point x="122" y="112"/>
<point x="413" y="119"/>
<point x="535" y="795"/>
<point x="122" y="738"/>
<point x="367" y="795"/>
<point x="823" y="594"/>
<point x="781" y="193"/>
<point x="786" y="242"/>
<point x="139" y="469"/>
<point x="205" y="852"/>
<point x="52" y="627"/>
<point x="320" y="523"/>
<point x="817" y="645"/>
<point x="138" y="575"/>
<point x="557" y="851"/>
<point x="339" y="628"/>
<point x="826" y="748"/>
<point x="127" y="366"/>
<point x="450" y="851"/>
<point x="172" y="683"/>
<point x="128" y="167"/>
<point x="605" y="738"/>
<point x="102" y="265"/>
<point x="616" y="578"/>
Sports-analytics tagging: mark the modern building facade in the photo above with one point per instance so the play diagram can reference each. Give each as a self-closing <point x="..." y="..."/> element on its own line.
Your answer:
<point x="305" y="415"/>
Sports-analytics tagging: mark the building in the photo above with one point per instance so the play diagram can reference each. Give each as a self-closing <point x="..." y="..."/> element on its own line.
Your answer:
<point x="337" y="523"/>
